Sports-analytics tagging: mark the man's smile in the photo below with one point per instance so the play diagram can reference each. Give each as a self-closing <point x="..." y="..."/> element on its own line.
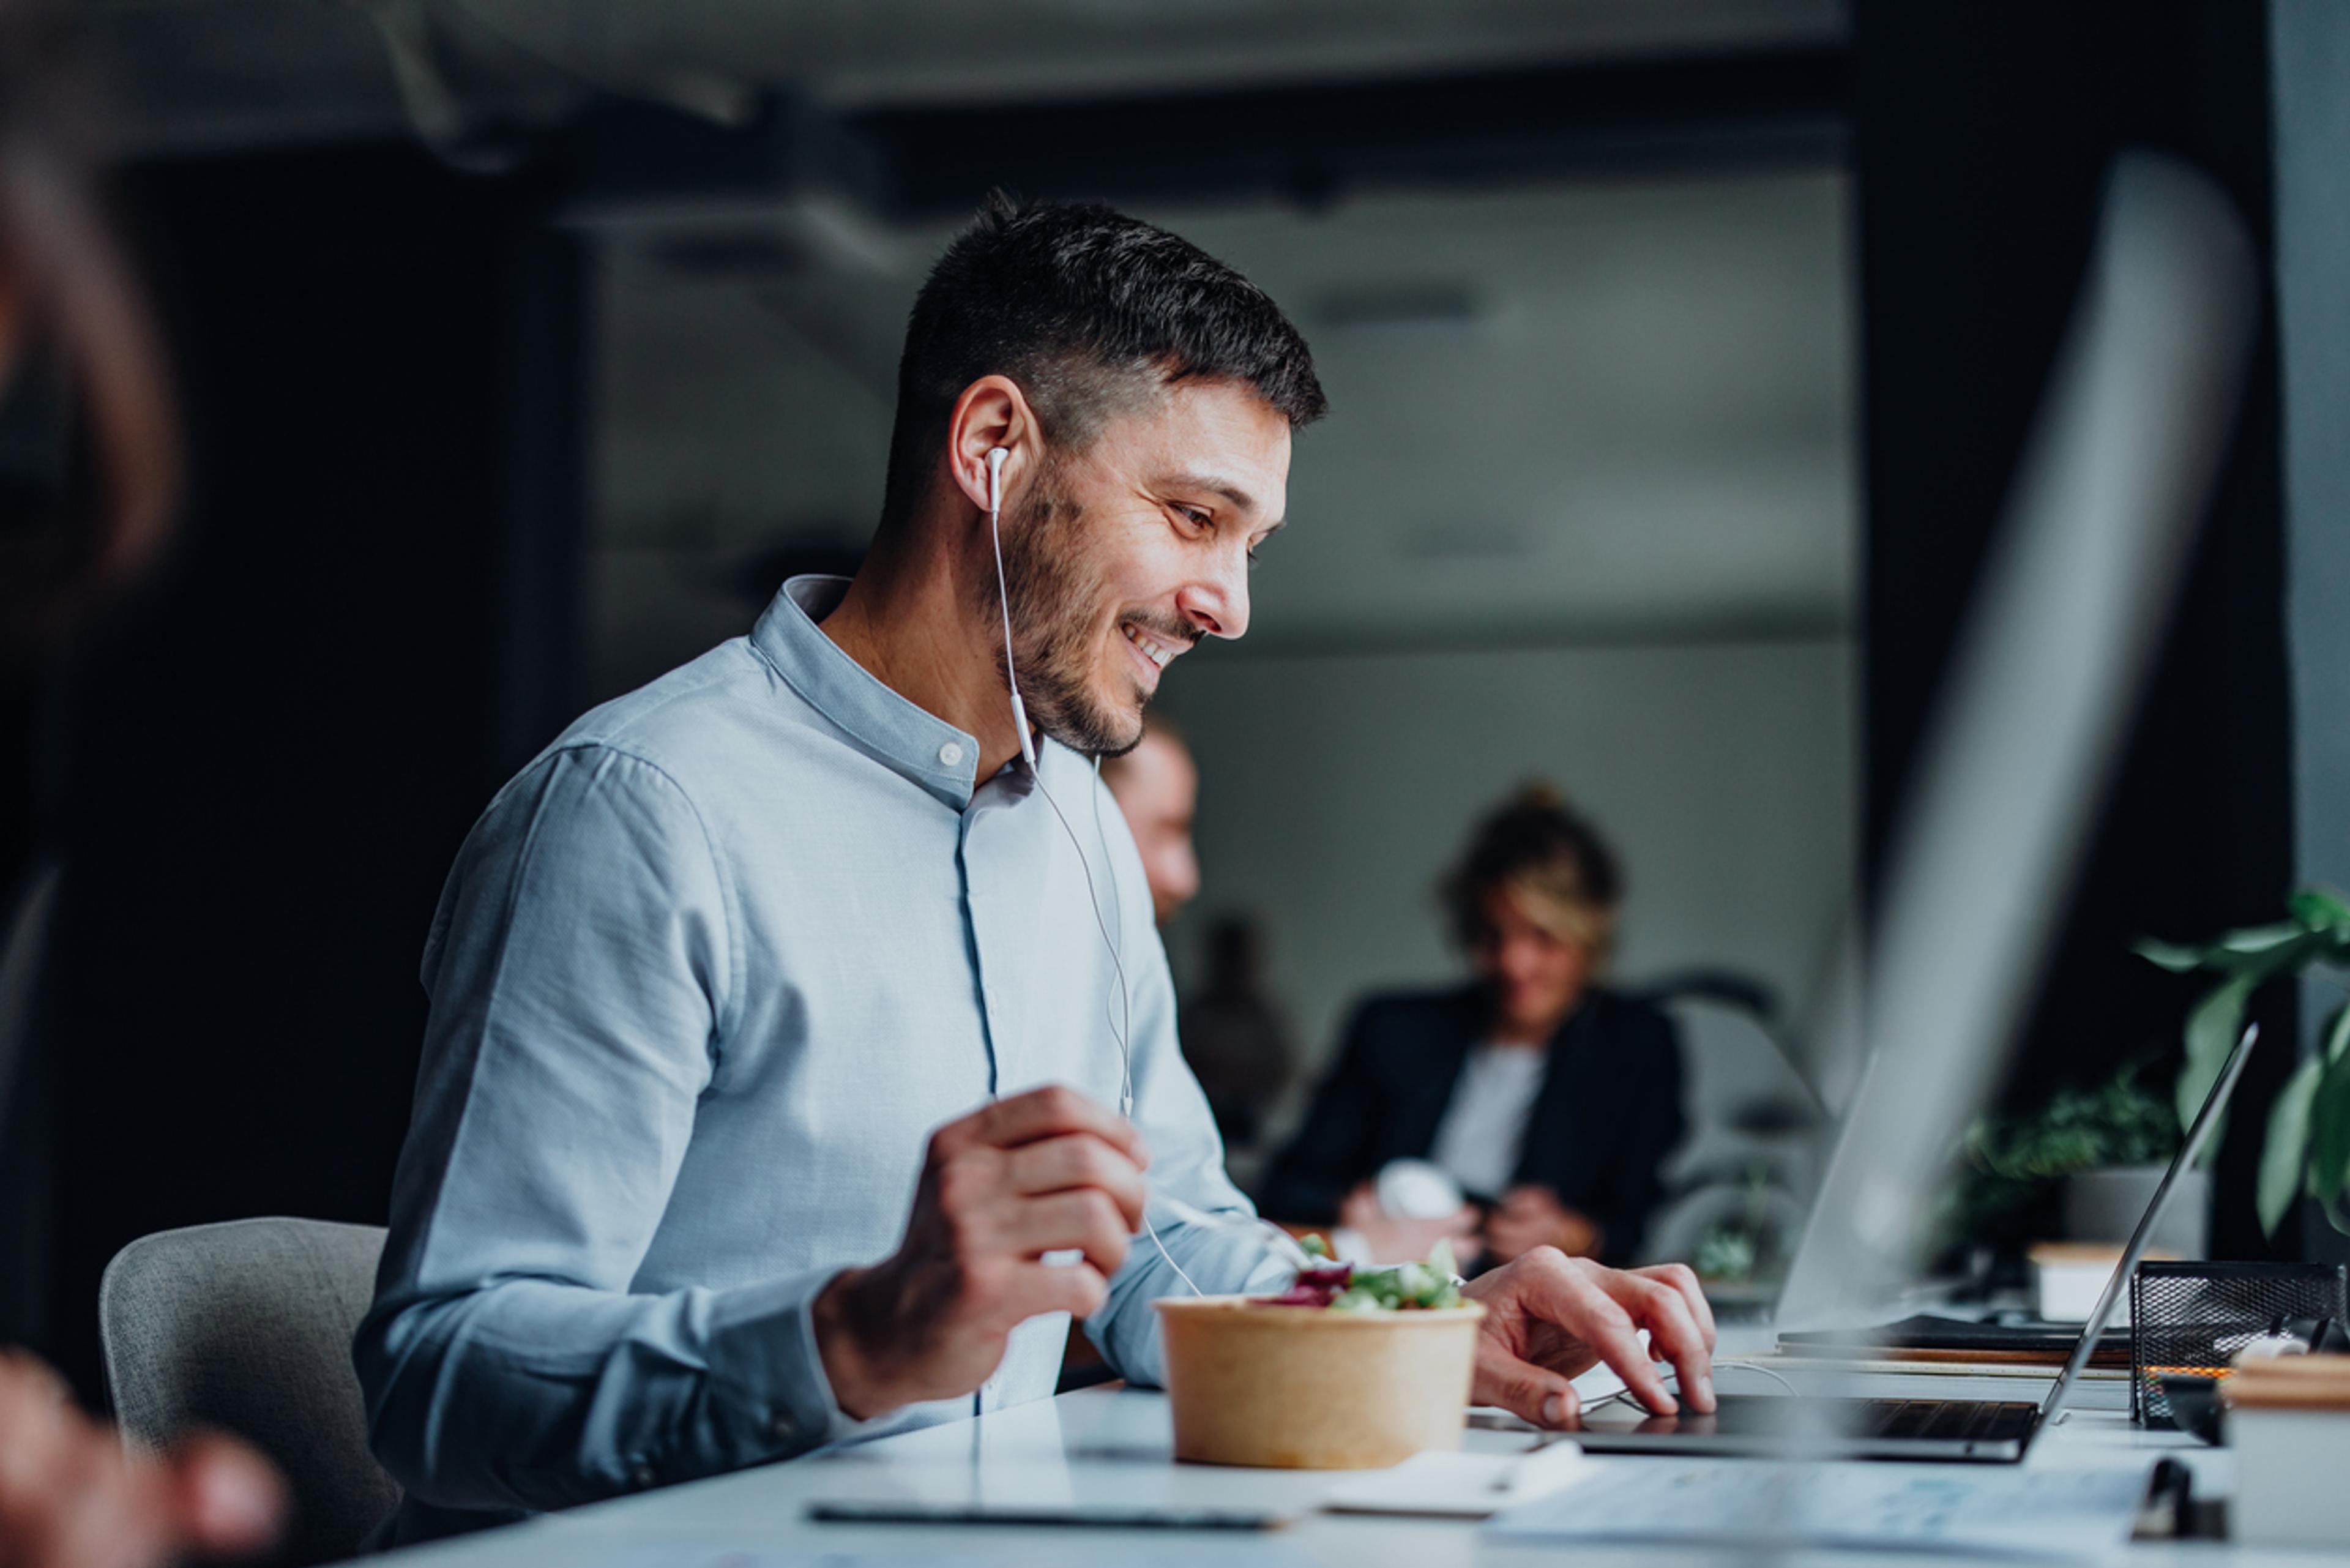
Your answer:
<point x="1155" y="650"/>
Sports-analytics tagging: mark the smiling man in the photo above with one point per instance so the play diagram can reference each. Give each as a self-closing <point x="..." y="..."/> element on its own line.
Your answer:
<point x="776" y="1008"/>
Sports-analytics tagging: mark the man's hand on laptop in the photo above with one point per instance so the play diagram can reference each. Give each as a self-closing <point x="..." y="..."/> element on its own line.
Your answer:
<point x="1046" y="1171"/>
<point x="1550" y="1317"/>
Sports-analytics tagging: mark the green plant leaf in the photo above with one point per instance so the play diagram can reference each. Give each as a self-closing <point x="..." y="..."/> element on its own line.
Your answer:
<point x="2257" y="950"/>
<point x="2170" y="955"/>
<point x="2329" y="1134"/>
<point x="2176" y="957"/>
<point x="2319" y="908"/>
<point x="2284" y="957"/>
<point x="2211" y="1030"/>
<point x="2253" y="941"/>
<point x="2337" y="1039"/>
<point x="2285" y="1157"/>
<point x="2336" y="1217"/>
<point x="2267" y="954"/>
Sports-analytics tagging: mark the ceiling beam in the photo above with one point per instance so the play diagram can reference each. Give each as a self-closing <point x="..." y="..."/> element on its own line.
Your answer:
<point x="1310" y="144"/>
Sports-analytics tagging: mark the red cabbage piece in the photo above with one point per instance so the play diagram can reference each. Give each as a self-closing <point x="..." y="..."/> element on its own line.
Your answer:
<point x="1318" y="1285"/>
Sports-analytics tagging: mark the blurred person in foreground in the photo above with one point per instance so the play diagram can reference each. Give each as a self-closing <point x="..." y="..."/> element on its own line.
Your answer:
<point x="1551" y="1100"/>
<point x="88" y="466"/>
<point x="1233" y="1038"/>
<point x="770" y="1046"/>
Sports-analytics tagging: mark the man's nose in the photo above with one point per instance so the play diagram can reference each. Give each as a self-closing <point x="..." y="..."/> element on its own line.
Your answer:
<point x="1218" y="604"/>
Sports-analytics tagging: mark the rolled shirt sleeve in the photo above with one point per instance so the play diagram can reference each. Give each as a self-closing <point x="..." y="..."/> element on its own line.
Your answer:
<point x="581" y="970"/>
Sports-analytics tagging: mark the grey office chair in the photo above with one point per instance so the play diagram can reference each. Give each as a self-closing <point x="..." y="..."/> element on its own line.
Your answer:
<point x="246" y="1326"/>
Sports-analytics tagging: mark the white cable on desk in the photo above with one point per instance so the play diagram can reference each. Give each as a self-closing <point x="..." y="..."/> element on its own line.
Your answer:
<point x="1673" y="1377"/>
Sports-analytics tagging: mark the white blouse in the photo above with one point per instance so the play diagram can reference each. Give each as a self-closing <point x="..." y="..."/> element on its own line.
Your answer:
<point x="1477" y="1142"/>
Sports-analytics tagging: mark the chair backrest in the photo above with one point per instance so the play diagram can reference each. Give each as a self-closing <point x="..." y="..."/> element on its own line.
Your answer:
<point x="246" y="1326"/>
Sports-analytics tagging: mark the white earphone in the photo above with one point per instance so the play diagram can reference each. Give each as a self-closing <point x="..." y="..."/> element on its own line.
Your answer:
<point x="995" y="538"/>
<point x="1121" y="1026"/>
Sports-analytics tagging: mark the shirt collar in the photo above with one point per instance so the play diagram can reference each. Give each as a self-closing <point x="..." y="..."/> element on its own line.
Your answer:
<point x="907" y="739"/>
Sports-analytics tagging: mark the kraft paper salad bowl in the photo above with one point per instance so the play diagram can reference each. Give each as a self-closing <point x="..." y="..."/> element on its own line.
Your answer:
<point x="1251" y="1382"/>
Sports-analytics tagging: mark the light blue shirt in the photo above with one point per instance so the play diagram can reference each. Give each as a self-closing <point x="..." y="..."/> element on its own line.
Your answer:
<point x="703" y="979"/>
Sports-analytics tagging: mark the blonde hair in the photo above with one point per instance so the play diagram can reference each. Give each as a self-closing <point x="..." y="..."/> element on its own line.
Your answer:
<point x="1549" y="857"/>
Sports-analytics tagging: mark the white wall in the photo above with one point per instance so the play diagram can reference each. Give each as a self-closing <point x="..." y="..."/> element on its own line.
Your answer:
<point x="1338" y="788"/>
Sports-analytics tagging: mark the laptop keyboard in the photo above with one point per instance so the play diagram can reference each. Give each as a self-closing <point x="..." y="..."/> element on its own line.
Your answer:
<point x="1977" y="1419"/>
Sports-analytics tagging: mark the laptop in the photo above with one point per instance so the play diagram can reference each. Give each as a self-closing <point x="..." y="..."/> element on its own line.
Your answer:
<point x="2043" y="681"/>
<point x="1984" y="1430"/>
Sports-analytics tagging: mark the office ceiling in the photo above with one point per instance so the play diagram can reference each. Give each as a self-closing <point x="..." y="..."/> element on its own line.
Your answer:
<point x="864" y="51"/>
<point x="1607" y="407"/>
<point x="211" y="73"/>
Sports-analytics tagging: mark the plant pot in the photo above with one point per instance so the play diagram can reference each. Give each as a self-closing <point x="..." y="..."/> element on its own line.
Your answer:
<point x="2105" y="1205"/>
<point x="1310" y="1388"/>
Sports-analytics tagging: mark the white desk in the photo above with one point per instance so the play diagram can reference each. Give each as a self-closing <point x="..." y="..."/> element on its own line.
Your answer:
<point x="1112" y="1445"/>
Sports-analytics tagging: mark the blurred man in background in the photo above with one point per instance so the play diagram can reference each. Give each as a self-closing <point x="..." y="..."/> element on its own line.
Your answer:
<point x="1235" y="1034"/>
<point x="1157" y="788"/>
<point x="88" y="465"/>
<point x="1234" y="1037"/>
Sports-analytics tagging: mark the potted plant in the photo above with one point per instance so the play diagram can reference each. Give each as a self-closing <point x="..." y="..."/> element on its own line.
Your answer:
<point x="2109" y="1145"/>
<point x="2308" y="1147"/>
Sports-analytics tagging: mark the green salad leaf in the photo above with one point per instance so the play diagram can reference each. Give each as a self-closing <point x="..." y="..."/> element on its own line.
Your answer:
<point x="1406" y="1287"/>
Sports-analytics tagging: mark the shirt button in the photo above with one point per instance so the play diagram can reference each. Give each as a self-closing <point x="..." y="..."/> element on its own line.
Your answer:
<point x="952" y="753"/>
<point x="781" y="1427"/>
<point x="642" y="1478"/>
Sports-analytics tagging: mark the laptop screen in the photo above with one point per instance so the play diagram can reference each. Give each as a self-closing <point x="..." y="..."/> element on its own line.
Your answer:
<point x="2190" y="1149"/>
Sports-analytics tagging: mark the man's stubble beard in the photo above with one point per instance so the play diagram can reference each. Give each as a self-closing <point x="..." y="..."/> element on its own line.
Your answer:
<point x="1054" y="588"/>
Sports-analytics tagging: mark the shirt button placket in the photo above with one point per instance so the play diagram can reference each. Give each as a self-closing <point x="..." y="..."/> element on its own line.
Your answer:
<point x="992" y="1041"/>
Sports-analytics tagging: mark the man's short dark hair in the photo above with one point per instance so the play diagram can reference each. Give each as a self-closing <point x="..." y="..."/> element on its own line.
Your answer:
<point x="1088" y="310"/>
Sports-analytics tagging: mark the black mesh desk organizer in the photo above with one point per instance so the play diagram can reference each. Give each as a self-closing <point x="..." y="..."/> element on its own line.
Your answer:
<point x="2194" y="1317"/>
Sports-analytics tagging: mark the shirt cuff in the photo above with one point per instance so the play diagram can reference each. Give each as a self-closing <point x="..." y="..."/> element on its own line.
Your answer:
<point x="763" y="1358"/>
<point x="836" y="1425"/>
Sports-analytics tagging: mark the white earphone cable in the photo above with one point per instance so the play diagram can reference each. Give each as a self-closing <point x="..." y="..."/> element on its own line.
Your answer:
<point x="1123" y="1033"/>
<point x="1122" y="1027"/>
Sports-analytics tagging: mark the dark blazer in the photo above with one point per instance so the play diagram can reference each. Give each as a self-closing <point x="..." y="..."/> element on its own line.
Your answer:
<point x="1608" y="1111"/>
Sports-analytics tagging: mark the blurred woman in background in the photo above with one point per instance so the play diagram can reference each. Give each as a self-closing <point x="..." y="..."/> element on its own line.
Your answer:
<point x="1549" y="1100"/>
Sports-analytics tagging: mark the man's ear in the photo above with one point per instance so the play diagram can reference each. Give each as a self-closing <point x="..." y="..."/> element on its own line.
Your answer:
<point x="991" y="412"/>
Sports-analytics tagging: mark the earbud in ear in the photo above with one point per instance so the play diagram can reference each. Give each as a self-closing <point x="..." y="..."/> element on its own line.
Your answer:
<point x="995" y="542"/>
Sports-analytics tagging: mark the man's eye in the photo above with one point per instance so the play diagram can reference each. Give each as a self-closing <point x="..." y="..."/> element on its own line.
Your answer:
<point x="1193" y="515"/>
